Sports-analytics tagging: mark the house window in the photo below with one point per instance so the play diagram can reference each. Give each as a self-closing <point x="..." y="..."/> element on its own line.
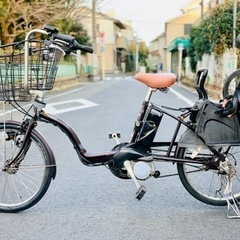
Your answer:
<point x="187" y="28"/>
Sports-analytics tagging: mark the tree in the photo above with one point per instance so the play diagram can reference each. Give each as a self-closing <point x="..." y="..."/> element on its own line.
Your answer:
<point x="142" y="51"/>
<point x="70" y="27"/>
<point x="213" y="34"/>
<point x="20" y="16"/>
<point x="79" y="33"/>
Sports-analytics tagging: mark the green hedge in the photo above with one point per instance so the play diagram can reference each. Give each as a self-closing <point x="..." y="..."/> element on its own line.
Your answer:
<point x="213" y="34"/>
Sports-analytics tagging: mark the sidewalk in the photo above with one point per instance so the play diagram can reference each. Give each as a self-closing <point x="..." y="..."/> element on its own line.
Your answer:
<point x="213" y="93"/>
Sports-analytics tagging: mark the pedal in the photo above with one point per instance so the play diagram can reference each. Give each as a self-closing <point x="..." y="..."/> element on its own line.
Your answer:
<point x="141" y="190"/>
<point x="116" y="136"/>
<point x="140" y="193"/>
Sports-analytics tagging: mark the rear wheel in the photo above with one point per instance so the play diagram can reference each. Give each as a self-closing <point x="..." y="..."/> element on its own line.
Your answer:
<point x="23" y="184"/>
<point x="208" y="185"/>
<point x="231" y="83"/>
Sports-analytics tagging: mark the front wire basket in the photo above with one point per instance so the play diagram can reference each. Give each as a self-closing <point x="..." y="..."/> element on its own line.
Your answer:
<point x="42" y="69"/>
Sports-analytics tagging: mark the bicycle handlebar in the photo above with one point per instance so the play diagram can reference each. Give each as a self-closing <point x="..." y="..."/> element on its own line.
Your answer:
<point x="70" y="40"/>
<point x="78" y="46"/>
<point x="73" y="44"/>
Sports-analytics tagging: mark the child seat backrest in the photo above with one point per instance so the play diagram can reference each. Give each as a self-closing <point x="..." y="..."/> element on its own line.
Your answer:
<point x="215" y="129"/>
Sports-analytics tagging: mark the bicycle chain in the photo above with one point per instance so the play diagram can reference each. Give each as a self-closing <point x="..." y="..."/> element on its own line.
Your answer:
<point x="176" y="174"/>
<point x="168" y="175"/>
<point x="173" y="174"/>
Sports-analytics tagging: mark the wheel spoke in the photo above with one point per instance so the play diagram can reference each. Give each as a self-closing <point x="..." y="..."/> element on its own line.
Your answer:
<point x="22" y="185"/>
<point x="207" y="184"/>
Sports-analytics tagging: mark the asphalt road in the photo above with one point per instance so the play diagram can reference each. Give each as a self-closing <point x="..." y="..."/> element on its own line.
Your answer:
<point x="89" y="203"/>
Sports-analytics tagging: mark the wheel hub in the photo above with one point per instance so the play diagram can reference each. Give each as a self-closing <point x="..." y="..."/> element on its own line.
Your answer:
<point x="10" y="168"/>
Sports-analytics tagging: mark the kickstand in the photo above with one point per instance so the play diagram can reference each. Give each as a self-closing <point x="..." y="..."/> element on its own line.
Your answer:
<point x="232" y="203"/>
<point x="233" y="207"/>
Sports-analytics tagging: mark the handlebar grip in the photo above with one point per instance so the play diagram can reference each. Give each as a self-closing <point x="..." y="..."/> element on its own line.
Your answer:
<point x="78" y="46"/>
<point x="203" y="74"/>
<point x="62" y="37"/>
<point x="231" y="107"/>
<point x="203" y="78"/>
<point x="73" y="44"/>
<point x="199" y="83"/>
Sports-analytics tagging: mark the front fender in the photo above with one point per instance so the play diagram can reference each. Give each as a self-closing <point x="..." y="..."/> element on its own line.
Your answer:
<point x="42" y="139"/>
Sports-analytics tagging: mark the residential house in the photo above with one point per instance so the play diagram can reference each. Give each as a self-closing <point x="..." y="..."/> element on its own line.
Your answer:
<point x="157" y="53"/>
<point x="164" y="48"/>
<point x="176" y="32"/>
<point x="113" y="41"/>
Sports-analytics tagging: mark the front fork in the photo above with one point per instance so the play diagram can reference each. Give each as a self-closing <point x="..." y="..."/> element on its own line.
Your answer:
<point x="24" y="146"/>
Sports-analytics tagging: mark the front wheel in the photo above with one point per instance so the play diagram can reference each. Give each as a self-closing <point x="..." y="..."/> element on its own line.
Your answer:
<point x="24" y="183"/>
<point x="206" y="184"/>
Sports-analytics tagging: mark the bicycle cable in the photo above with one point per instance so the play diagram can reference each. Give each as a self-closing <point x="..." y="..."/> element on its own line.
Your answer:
<point x="21" y="109"/>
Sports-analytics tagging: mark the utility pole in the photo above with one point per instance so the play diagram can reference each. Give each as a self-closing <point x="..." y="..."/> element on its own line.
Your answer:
<point x="202" y="7"/>
<point x="234" y="23"/>
<point x="94" y="39"/>
<point x="136" y="54"/>
<point x="94" y="29"/>
<point x="235" y="4"/>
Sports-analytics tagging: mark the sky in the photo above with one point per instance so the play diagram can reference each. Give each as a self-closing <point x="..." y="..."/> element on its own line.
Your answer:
<point x="147" y="16"/>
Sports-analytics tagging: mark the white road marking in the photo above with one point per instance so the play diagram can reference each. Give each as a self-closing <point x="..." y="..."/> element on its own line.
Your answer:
<point x="179" y="95"/>
<point x="58" y="107"/>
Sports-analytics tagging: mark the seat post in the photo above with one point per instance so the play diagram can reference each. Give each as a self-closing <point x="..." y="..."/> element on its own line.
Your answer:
<point x="149" y="94"/>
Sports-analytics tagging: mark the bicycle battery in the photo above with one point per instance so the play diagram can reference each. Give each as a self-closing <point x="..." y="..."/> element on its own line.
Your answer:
<point x="148" y="129"/>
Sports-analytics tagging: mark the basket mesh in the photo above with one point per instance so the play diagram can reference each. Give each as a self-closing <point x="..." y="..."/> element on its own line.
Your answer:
<point x="42" y="69"/>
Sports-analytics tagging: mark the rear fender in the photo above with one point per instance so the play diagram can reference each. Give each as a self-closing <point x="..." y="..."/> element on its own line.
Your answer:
<point x="190" y="140"/>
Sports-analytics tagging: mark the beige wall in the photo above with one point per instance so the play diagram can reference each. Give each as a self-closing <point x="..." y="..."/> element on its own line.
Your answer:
<point x="175" y="28"/>
<point x="109" y="59"/>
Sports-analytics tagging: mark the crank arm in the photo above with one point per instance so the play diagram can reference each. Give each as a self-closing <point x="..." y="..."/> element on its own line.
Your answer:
<point x="141" y="190"/>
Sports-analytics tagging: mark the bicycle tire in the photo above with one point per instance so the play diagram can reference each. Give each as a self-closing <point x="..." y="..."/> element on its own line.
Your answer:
<point x="208" y="185"/>
<point x="231" y="83"/>
<point x="23" y="186"/>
